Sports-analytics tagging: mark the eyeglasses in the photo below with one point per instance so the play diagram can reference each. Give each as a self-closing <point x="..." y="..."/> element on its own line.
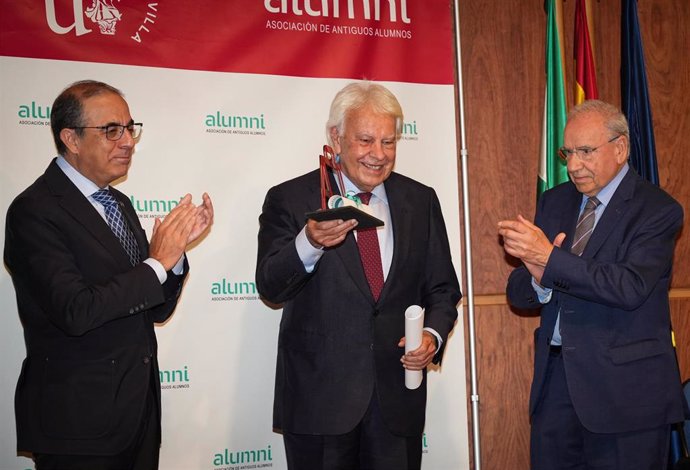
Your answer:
<point x="585" y="154"/>
<point x="116" y="131"/>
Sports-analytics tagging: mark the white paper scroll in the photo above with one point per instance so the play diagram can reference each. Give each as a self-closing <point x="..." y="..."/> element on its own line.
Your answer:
<point x="414" y="324"/>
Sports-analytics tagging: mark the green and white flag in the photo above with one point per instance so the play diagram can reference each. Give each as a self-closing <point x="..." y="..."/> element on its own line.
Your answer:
<point x="552" y="170"/>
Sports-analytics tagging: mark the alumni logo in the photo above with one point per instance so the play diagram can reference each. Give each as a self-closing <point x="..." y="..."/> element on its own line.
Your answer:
<point x="383" y="17"/>
<point x="153" y="208"/>
<point x="366" y="9"/>
<point x="243" y="459"/>
<point x="238" y="124"/>
<point x="409" y="131"/>
<point x="33" y="114"/>
<point x="174" y="379"/>
<point x="229" y="290"/>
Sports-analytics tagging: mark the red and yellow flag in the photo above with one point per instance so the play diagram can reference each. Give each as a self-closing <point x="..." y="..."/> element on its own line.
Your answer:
<point x="585" y="70"/>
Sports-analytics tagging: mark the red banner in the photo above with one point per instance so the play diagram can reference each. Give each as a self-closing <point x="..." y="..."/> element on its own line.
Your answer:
<point x="383" y="40"/>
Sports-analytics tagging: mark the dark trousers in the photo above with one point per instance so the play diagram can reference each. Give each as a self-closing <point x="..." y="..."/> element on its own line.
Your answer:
<point x="142" y="454"/>
<point x="370" y="446"/>
<point x="559" y="441"/>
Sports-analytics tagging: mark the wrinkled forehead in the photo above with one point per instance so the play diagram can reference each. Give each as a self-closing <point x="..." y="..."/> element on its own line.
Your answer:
<point x="585" y="127"/>
<point x="367" y="119"/>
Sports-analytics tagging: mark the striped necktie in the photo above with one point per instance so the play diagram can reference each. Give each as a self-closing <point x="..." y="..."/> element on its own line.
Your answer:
<point x="585" y="226"/>
<point x="583" y="231"/>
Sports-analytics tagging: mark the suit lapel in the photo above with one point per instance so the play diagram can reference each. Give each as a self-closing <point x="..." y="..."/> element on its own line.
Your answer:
<point x="348" y="253"/>
<point x="84" y="214"/>
<point x="401" y="219"/>
<point x="612" y="215"/>
<point x="571" y="213"/>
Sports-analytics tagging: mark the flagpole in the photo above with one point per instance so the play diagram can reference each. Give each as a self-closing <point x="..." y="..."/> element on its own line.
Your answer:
<point x="469" y="294"/>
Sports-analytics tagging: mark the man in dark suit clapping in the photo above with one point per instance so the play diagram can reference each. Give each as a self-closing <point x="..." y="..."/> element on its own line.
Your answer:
<point x="598" y="262"/>
<point x="89" y="289"/>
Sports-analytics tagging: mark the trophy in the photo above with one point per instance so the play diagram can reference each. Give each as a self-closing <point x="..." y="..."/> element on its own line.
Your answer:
<point x="335" y="206"/>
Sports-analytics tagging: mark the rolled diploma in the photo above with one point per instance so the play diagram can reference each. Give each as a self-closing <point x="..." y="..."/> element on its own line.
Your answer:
<point x="414" y="324"/>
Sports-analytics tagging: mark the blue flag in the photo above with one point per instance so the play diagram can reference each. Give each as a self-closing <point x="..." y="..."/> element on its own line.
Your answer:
<point x="635" y="95"/>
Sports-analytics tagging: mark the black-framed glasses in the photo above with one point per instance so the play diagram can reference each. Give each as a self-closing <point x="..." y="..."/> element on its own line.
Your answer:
<point x="116" y="131"/>
<point x="585" y="154"/>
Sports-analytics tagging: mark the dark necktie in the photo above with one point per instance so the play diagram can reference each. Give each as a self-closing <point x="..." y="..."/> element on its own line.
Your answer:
<point x="370" y="254"/>
<point x="115" y="219"/>
<point x="585" y="226"/>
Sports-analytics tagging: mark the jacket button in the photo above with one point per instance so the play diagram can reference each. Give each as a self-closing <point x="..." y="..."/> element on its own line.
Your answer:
<point x="376" y="313"/>
<point x="371" y="346"/>
<point x="146" y="360"/>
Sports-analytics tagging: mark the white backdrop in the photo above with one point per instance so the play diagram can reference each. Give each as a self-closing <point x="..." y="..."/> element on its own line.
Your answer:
<point x="217" y="353"/>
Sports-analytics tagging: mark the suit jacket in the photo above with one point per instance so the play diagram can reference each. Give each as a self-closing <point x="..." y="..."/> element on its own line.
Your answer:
<point x="88" y="320"/>
<point x="614" y="310"/>
<point x="336" y="344"/>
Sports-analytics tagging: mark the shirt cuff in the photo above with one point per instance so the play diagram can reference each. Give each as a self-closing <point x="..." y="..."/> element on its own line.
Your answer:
<point x="306" y="251"/>
<point x="157" y="268"/>
<point x="543" y="293"/>
<point x="178" y="269"/>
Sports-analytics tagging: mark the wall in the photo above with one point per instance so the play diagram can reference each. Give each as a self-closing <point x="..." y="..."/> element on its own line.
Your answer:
<point x="503" y="64"/>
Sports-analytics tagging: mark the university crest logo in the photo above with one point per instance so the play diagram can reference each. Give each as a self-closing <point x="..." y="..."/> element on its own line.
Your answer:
<point x="104" y="14"/>
<point x="101" y="12"/>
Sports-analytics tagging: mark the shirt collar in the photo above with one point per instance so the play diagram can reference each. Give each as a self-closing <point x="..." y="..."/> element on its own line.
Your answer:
<point x="350" y="188"/>
<point x="607" y="191"/>
<point x="83" y="184"/>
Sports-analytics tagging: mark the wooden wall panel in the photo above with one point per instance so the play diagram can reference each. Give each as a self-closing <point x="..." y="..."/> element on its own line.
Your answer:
<point x="504" y="352"/>
<point x="503" y="84"/>
<point x="681" y="325"/>
<point x="503" y="72"/>
<point x="666" y="35"/>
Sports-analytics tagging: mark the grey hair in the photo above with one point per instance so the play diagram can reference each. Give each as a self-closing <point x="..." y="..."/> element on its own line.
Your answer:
<point x="614" y="119"/>
<point x="360" y="95"/>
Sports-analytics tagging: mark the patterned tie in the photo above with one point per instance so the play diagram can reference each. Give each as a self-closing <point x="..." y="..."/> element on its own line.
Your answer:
<point x="584" y="229"/>
<point x="370" y="254"/>
<point x="585" y="226"/>
<point x="113" y="216"/>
